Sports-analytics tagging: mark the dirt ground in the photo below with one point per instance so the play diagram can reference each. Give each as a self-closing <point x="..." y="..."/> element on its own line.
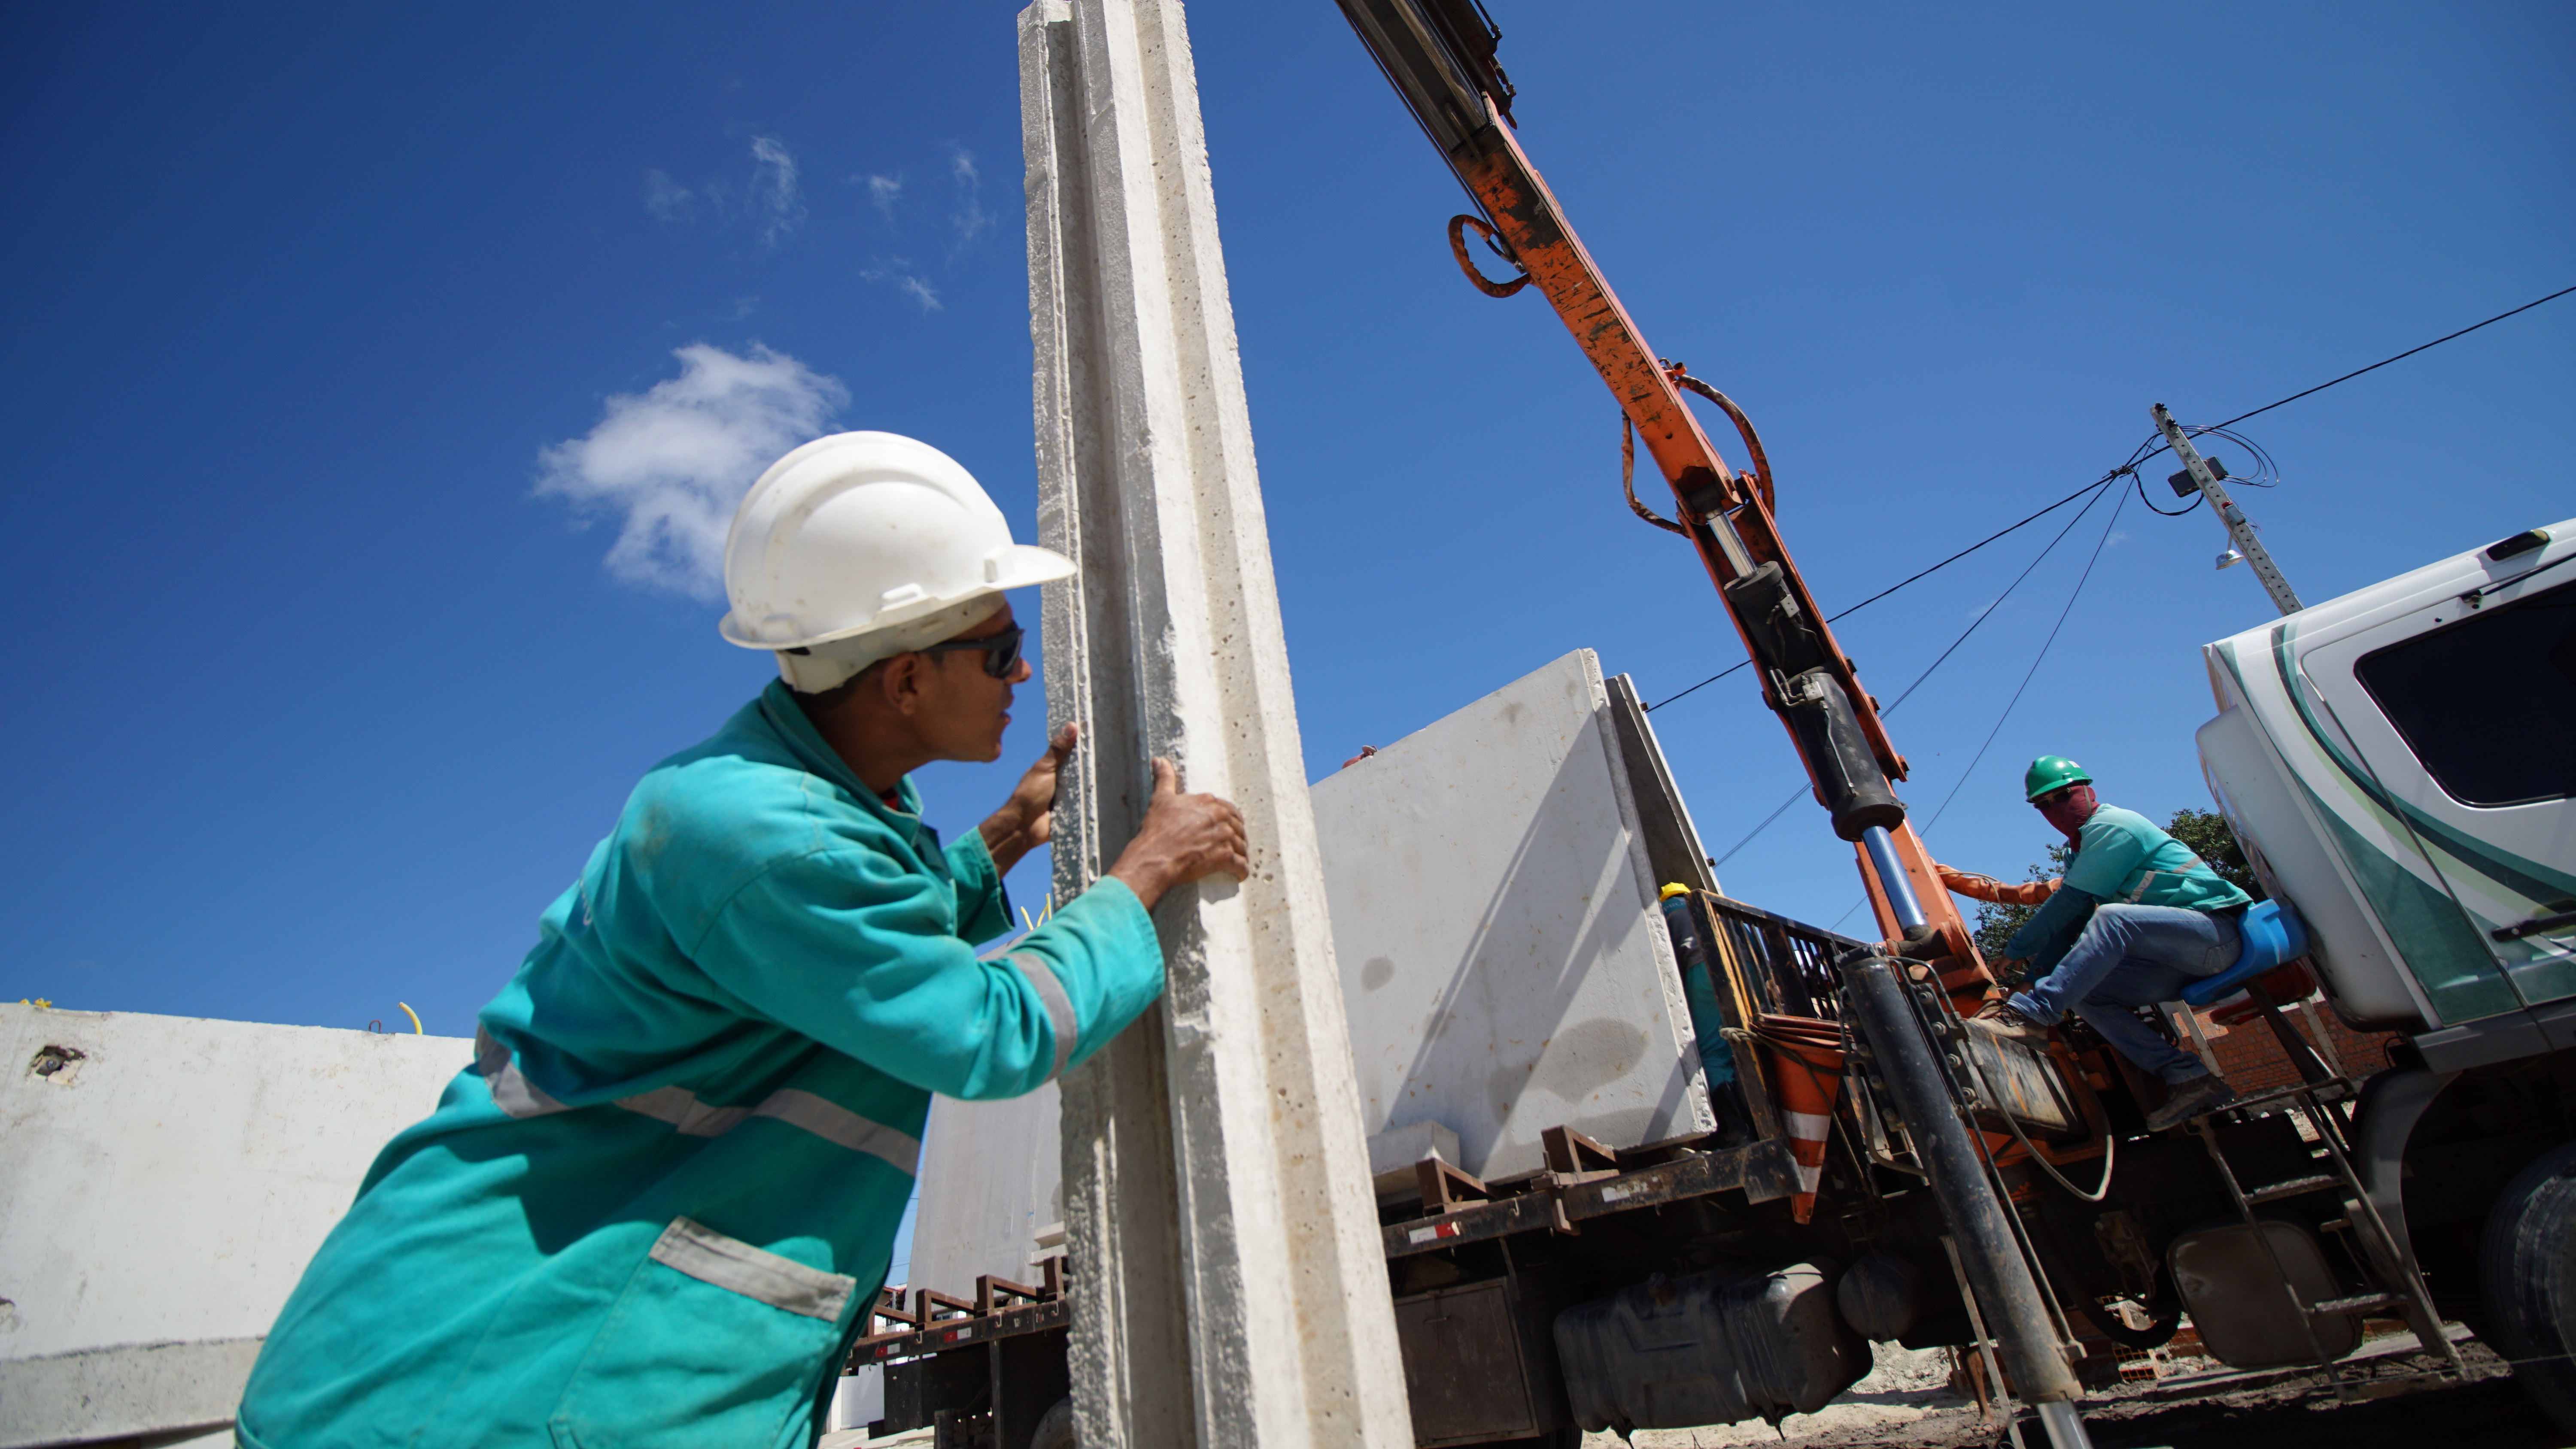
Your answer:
<point x="1905" y="1402"/>
<point x="2268" y="1411"/>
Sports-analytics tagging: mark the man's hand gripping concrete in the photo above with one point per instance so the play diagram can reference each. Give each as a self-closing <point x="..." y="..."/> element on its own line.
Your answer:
<point x="1184" y="837"/>
<point x="1027" y="820"/>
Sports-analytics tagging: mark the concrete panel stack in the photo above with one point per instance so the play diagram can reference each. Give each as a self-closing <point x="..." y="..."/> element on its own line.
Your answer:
<point x="1231" y="1287"/>
<point x="1494" y="915"/>
<point x="163" y="1182"/>
<point x="991" y="1187"/>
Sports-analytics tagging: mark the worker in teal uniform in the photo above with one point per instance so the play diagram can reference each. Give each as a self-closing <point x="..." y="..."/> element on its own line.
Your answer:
<point x="656" y="1208"/>
<point x="1709" y="1016"/>
<point x="2136" y="918"/>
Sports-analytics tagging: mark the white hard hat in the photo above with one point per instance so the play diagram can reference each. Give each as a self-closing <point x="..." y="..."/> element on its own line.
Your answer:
<point x="869" y="538"/>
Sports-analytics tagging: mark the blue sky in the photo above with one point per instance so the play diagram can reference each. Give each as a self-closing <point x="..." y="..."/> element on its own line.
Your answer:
<point x="352" y="593"/>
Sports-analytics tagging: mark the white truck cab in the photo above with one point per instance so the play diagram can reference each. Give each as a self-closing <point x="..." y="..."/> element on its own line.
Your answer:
<point x="2400" y="764"/>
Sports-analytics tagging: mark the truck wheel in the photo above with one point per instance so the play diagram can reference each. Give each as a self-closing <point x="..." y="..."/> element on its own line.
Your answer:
<point x="2527" y="1277"/>
<point x="1055" y="1428"/>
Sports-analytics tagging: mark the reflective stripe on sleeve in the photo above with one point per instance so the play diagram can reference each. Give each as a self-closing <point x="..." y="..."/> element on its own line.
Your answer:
<point x="736" y="1266"/>
<point x="511" y="1091"/>
<point x="1059" y="1007"/>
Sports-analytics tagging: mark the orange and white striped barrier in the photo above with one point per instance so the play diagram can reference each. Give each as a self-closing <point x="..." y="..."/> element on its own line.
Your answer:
<point x="1806" y="1059"/>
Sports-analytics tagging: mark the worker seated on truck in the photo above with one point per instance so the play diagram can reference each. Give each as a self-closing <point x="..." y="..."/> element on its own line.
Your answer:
<point x="2135" y="917"/>
<point x="657" y="1207"/>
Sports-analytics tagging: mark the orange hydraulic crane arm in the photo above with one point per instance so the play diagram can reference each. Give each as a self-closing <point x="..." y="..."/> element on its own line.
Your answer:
<point x="1439" y="55"/>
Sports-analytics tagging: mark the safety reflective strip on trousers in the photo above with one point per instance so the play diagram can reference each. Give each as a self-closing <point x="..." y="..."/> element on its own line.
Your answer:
<point x="513" y="1093"/>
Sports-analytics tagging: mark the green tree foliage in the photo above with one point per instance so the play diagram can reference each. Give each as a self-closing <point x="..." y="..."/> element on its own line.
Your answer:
<point x="2205" y="831"/>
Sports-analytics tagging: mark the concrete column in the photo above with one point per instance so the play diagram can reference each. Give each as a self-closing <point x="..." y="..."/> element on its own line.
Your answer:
<point x="1231" y="1286"/>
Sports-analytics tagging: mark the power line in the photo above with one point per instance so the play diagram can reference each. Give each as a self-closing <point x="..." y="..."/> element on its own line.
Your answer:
<point x="1982" y="615"/>
<point x="1892" y="588"/>
<point x="1988" y="611"/>
<point x="1981" y="543"/>
<point x="2143" y="453"/>
<point x="1712" y="679"/>
<point x="2033" y="671"/>
<point x="2356" y="372"/>
<point x="1758" y="829"/>
<point x="2383" y="362"/>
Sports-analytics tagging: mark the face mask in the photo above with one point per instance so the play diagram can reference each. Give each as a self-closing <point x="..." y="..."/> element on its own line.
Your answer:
<point x="2069" y="814"/>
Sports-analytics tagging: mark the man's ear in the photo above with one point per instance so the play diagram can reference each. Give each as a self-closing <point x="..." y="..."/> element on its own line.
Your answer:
<point x="901" y="683"/>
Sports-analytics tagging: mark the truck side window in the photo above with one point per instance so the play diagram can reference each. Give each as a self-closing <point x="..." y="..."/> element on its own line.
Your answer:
<point x="2488" y="704"/>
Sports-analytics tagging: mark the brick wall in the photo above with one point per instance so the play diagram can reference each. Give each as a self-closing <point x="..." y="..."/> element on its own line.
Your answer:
<point x="2251" y="1059"/>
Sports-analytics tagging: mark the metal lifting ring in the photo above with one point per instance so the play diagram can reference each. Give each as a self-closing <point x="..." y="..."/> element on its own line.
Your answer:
<point x="1458" y="248"/>
<point x="1628" y="478"/>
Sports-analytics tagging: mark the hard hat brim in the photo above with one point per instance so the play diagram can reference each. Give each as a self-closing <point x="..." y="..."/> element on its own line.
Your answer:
<point x="1018" y="566"/>
<point x="1024" y="564"/>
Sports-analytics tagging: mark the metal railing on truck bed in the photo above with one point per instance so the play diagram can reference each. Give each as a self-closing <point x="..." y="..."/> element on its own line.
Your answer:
<point x="1786" y="966"/>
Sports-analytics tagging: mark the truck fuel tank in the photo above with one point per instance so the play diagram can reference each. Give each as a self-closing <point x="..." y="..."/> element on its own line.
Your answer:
<point x="1710" y="1348"/>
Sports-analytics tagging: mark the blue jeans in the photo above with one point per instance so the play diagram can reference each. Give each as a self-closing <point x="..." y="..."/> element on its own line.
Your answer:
<point x="2132" y="956"/>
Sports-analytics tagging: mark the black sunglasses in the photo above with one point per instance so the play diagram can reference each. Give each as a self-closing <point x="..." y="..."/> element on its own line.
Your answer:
<point x="1001" y="651"/>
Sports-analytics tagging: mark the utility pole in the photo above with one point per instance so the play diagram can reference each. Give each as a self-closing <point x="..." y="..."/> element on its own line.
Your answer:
<point x="2206" y="479"/>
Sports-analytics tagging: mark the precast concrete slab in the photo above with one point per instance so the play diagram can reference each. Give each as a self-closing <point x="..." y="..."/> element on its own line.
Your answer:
<point x="163" y="1182"/>
<point x="1494" y="916"/>
<point x="992" y="1179"/>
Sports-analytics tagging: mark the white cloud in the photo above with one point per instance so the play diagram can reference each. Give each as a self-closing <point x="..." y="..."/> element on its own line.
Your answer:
<point x="882" y="191"/>
<point x="775" y="205"/>
<point x="898" y="272"/>
<point x="668" y="199"/>
<point x="971" y="218"/>
<point x="672" y="462"/>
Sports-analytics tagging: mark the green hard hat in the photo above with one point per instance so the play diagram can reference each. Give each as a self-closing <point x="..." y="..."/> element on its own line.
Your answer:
<point x="2048" y="772"/>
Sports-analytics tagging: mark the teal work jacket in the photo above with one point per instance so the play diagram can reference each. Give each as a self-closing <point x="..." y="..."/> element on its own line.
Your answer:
<point x="657" y="1206"/>
<point x="2121" y="856"/>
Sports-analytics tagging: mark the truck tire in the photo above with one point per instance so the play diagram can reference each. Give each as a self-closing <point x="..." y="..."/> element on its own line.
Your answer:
<point x="1055" y="1428"/>
<point x="2527" y="1277"/>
